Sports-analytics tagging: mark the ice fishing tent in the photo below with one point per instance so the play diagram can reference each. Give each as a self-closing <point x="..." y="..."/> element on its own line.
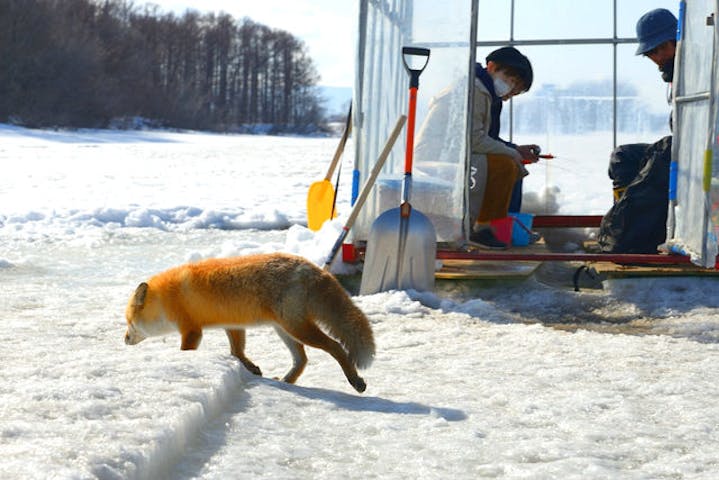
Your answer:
<point x="381" y="95"/>
<point x="693" y="222"/>
<point x="590" y="40"/>
<point x="459" y="31"/>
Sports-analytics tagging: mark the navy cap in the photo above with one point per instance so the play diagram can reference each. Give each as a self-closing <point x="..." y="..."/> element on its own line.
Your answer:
<point x="654" y="28"/>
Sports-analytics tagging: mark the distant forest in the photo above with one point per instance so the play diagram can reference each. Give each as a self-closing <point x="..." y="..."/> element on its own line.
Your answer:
<point x="83" y="63"/>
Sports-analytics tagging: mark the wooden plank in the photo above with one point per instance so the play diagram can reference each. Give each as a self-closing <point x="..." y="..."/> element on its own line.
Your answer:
<point x="613" y="270"/>
<point x="487" y="269"/>
<point x="472" y="270"/>
<point x="527" y="255"/>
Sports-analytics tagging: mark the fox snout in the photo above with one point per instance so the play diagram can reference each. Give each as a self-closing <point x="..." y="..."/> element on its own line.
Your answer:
<point x="132" y="337"/>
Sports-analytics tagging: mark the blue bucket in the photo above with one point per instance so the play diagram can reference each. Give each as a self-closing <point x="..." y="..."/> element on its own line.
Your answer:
<point x="522" y="228"/>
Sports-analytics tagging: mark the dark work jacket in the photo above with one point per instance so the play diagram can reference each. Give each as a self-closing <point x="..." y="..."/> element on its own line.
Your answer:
<point x="496" y="109"/>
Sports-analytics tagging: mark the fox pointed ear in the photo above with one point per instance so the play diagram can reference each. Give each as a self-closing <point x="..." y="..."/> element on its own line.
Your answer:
<point x="140" y="293"/>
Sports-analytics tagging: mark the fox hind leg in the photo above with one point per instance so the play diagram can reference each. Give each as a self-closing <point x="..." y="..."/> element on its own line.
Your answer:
<point x="308" y="333"/>
<point x="299" y="357"/>
<point x="237" y="347"/>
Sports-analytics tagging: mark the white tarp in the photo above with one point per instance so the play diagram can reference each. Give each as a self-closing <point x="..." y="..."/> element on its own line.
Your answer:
<point x="694" y="184"/>
<point x="381" y="96"/>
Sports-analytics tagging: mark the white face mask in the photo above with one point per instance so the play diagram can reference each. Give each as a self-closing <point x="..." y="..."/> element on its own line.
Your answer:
<point x="501" y="87"/>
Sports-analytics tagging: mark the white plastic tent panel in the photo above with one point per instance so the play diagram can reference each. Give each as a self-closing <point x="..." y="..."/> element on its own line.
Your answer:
<point x="381" y="96"/>
<point x="694" y="185"/>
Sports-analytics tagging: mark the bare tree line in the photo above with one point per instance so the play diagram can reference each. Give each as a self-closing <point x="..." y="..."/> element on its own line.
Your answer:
<point x="84" y="63"/>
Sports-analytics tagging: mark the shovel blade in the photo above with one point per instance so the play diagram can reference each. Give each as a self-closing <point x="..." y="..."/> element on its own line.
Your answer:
<point x="400" y="253"/>
<point x="320" y="198"/>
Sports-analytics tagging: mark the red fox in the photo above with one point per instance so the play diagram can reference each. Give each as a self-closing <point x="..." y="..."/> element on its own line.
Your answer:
<point x="282" y="290"/>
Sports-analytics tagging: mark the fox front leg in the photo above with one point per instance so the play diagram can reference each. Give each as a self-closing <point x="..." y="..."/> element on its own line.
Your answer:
<point x="191" y="339"/>
<point x="237" y="348"/>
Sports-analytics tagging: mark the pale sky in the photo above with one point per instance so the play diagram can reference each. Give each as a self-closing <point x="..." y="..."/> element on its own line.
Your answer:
<point x="328" y="28"/>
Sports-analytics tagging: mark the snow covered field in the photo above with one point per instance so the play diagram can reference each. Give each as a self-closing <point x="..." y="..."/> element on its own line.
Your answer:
<point x="518" y="380"/>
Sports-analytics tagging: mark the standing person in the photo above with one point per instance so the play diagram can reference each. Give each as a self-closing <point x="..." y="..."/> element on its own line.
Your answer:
<point x="657" y="35"/>
<point x="640" y="172"/>
<point x="656" y="32"/>
<point x="496" y="166"/>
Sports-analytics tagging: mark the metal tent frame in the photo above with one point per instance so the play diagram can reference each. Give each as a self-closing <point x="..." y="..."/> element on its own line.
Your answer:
<point x="399" y="16"/>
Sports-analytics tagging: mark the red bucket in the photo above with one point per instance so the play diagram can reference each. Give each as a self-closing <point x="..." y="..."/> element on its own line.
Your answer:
<point x="503" y="229"/>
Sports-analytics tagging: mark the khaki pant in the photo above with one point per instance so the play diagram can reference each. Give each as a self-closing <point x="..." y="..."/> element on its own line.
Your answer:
<point x="502" y="174"/>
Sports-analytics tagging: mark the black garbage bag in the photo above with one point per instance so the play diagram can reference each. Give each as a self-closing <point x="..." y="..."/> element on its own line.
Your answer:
<point x="624" y="165"/>
<point x="637" y="221"/>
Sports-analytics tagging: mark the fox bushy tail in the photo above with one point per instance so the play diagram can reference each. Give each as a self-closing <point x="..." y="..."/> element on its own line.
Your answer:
<point x="334" y="310"/>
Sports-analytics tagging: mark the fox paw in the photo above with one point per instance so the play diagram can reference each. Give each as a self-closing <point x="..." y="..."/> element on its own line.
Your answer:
<point x="254" y="369"/>
<point x="359" y="384"/>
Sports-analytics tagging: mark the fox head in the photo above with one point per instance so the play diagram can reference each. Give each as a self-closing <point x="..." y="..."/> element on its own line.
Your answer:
<point x="145" y="316"/>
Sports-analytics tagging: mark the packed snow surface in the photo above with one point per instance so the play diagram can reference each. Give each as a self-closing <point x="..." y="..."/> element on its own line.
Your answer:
<point x="524" y="379"/>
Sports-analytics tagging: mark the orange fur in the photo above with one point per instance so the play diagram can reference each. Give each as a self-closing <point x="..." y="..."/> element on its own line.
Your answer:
<point x="283" y="290"/>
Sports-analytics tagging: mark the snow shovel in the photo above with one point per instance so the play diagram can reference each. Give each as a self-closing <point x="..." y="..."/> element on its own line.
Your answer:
<point x="402" y="243"/>
<point x="321" y="195"/>
<point x="369" y="183"/>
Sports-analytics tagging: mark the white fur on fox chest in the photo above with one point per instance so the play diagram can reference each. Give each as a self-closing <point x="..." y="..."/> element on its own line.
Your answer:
<point x="158" y="326"/>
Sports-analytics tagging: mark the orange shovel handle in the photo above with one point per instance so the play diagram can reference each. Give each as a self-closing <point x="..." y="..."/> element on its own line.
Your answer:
<point x="411" y="115"/>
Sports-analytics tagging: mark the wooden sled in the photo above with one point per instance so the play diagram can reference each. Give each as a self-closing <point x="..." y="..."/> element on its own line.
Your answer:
<point x="522" y="262"/>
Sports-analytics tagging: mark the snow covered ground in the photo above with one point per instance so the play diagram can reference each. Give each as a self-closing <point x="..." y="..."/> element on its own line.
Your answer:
<point x="499" y="380"/>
